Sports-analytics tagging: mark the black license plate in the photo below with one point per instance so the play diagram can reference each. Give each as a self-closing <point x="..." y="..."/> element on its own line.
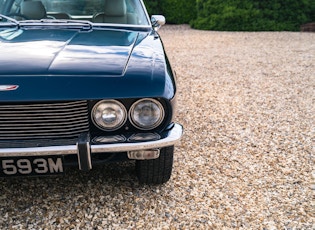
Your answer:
<point x="27" y="166"/>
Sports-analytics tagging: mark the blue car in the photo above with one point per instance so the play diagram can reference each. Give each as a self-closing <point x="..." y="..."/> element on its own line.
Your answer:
<point x="84" y="83"/>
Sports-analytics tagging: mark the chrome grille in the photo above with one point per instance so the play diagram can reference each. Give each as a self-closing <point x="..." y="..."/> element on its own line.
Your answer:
<point x="47" y="121"/>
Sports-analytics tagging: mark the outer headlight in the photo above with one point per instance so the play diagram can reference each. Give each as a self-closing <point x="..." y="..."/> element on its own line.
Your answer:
<point x="109" y="115"/>
<point x="146" y="114"/>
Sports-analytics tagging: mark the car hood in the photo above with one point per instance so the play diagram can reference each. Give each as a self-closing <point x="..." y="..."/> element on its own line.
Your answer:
<point x="65" y="52"/>
<point x="49" y="64"/>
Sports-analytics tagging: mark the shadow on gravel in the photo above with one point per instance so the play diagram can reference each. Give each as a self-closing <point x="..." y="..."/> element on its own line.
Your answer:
<point x="72" y="189"/>
<point x="108" y="174"/>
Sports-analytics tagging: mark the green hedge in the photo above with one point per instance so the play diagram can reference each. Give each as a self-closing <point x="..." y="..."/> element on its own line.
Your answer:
<point x="236" y="15"/>
<point x="179" y="11"/>
<point x="253" y="15"/>
<point x="153" y="6"/>
<point x="175" y="11"/>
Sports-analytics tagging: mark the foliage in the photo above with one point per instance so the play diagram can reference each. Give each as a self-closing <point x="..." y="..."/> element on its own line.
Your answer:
<point x="236" y="15"/>
<point x="175" y="11"/>
<point x="153" y="6"/>
<point x="253" y="15"/>
<point x="179" y="11"/>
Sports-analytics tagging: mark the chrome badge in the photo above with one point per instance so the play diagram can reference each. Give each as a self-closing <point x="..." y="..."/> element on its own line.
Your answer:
<point x="8" y="87"/>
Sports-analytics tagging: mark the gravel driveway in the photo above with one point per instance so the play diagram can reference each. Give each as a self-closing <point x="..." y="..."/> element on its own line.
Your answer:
<point x="247" y="102"/>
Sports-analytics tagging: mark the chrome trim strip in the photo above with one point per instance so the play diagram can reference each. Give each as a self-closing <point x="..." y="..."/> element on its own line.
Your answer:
<point x="40" y="151"/>
<point x="173" y="137"/>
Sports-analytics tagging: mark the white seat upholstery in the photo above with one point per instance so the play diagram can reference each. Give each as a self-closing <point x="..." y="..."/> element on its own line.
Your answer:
<point x="115" y="12"/>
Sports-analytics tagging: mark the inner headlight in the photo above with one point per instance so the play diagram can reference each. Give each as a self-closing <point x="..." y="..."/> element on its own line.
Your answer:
<point x="146" y="114"/>
<point x="109" y="115"/>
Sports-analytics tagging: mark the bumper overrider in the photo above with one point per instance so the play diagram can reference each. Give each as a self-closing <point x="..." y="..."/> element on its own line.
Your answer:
<point x="84" y="148"/>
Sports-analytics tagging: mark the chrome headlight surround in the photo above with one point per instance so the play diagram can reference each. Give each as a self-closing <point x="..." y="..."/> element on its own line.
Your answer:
<point x="109" y="115"/>
<point x="146" y="114"/>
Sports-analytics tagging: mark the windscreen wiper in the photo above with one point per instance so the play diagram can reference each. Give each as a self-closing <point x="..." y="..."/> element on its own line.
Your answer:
<point x="12" y="20"/>
<point x="71" y="24"/>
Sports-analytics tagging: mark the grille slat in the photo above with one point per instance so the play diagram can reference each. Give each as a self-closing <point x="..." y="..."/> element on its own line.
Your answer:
<point x="47" y="121"/>
<point x="42" y="114"/>
<point x="44" y="130"/>
<point x="39" y="125"/>
<point x="39" y="121"/>
<point x="17" y="118"/>
<point x="39" y="136"/>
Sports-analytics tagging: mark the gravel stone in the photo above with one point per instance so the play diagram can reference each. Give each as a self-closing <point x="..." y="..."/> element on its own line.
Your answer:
<point x="246" y="160"/>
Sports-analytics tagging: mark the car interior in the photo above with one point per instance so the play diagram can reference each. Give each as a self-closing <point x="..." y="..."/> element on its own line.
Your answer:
<point x="115" y="11"/>
<point x="33" y="10"/>
<point x="97" y="11"/>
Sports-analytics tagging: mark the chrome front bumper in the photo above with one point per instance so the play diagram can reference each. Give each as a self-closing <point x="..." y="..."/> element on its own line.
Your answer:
<point x="172" y="138"/>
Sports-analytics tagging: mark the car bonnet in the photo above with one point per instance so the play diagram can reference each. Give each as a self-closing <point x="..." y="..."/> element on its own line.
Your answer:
<point x="56" y="64"/>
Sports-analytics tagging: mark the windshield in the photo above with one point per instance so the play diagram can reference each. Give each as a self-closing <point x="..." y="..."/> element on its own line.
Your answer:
<point x="96" y="11"/>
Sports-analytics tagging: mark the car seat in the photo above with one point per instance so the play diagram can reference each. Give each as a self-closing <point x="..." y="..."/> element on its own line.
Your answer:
<point x="115" y="12"/>
<point x="33" y="10"/>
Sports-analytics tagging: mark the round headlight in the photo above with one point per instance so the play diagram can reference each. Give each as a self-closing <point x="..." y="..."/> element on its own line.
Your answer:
<point x="146" y="114"/>
<point x="109" y="115"/>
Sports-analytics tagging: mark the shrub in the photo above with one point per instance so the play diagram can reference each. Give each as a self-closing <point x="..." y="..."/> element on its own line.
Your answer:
<point x="253" y="15"/>
<point x="230" y="15"/>
<point x="179" y="11"/>
<point x="153" y="6"/>
<point x="175" y="11"/>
